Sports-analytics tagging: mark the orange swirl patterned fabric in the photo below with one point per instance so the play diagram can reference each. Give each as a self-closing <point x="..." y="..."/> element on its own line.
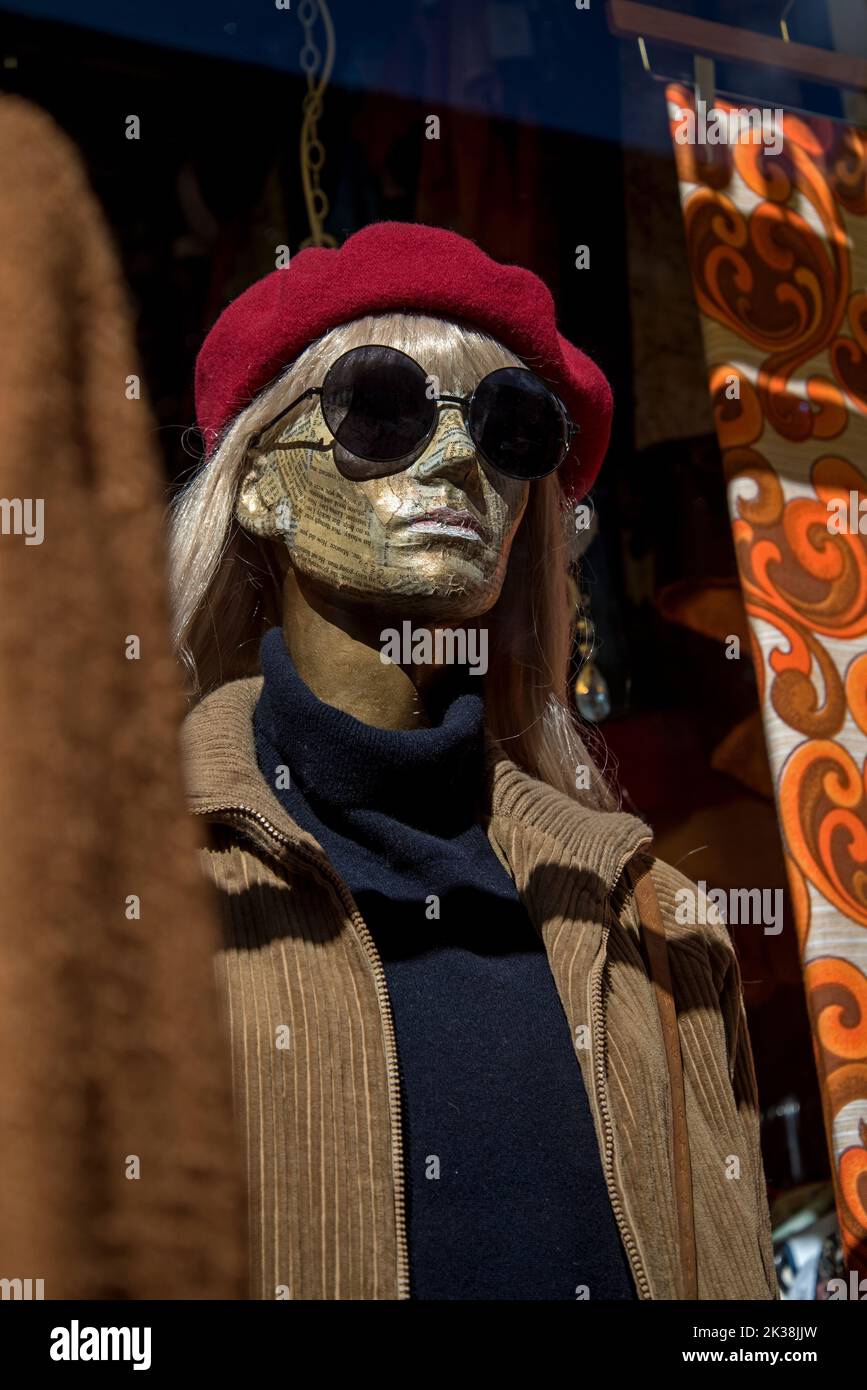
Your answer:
<point x="776" y="233"/>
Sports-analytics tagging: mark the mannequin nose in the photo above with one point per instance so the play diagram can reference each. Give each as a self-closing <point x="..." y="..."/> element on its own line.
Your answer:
<point x="452" y="432"/>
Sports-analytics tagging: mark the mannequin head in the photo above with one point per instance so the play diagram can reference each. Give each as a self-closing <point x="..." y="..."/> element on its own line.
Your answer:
<point x="238" y="546"/>
<point x="382" y="546"/>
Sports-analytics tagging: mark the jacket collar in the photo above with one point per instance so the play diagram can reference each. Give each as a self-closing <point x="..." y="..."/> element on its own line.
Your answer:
<point x="222" y="774"/>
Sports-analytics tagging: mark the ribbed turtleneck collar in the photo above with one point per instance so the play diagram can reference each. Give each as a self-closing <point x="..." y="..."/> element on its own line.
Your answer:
<point x="421" y="777"/>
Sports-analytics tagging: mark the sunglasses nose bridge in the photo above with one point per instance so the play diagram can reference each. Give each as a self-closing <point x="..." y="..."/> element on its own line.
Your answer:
<point x="450" y="406"/>
<point x="451" y="426"/>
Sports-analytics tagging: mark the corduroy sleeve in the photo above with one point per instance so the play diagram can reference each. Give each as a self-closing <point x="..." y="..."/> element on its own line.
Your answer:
<point x="742" y="1074"/>
<point x="732" y="1220"/>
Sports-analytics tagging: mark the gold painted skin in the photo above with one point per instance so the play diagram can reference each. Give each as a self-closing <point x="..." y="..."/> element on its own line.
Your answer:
<point x="355" y="564"/>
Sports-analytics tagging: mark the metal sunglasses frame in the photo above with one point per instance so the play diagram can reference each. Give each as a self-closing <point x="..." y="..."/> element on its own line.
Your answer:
<point x="256" y="448"/>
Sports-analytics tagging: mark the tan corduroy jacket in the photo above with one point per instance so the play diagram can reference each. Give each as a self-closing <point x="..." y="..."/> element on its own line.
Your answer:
<point x="315" y="1063"/>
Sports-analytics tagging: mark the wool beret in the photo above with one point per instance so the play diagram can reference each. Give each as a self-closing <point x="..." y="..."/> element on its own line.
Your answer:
<point x="400" y="267"/>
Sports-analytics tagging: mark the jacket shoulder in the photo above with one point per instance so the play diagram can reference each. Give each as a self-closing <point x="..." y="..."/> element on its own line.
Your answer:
<point x="694" y="926"/>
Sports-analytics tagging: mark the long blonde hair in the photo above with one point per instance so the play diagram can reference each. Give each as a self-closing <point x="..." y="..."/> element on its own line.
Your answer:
<point x="226" y="585"/>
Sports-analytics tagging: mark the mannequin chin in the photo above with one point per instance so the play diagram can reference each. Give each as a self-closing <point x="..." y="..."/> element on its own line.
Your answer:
<point x="431" y="543"/>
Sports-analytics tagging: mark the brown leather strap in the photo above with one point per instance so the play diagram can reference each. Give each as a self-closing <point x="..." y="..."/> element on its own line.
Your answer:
<point x="653" y="935"/>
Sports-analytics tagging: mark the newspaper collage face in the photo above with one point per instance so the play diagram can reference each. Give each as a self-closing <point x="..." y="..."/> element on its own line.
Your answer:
<point x="443" y="528"/>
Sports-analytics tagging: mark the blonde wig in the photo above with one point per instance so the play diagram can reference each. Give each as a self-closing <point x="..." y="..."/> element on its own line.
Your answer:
<point x="226" y="584"/>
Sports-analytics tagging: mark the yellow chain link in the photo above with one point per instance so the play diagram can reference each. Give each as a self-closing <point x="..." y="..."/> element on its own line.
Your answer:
<point x="312" y="148"/>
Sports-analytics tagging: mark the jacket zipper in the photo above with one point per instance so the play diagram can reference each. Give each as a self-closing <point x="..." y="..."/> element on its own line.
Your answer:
<point x="362" y="931"/>
<point x="599" y="1059"/>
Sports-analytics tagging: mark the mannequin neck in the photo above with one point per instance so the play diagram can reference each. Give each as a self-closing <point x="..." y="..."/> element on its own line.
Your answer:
<point x="336" y="651"/>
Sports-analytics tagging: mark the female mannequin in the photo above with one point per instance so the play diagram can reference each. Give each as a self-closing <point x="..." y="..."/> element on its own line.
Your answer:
<point x="454" y="1069"/>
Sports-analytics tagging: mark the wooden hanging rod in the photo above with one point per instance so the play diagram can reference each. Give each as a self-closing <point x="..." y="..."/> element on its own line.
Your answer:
<point x="634" y="20"/>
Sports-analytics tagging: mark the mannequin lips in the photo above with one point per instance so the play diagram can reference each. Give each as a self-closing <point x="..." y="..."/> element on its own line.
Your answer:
<point x="450" y="521"/>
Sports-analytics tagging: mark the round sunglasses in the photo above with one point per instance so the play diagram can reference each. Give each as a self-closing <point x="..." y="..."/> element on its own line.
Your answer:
<point x="378" y="404"/>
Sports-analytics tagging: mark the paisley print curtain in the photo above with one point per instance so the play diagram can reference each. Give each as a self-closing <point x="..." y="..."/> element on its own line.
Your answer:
<point x="777" y="247"/>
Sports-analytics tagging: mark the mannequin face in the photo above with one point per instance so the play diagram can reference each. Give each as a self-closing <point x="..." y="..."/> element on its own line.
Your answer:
<point x="432" y="541"/>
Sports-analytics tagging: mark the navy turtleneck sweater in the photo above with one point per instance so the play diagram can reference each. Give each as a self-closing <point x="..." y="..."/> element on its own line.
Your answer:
<point x="506" y="1198"/>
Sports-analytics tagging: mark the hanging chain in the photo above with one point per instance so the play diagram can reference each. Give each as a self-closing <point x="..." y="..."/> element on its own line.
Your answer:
<point x="312" y="148"/>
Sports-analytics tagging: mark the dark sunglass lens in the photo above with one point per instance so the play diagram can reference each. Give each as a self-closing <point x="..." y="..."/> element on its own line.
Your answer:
<point x="375" y="403"/>
<point x="517" y="424"/>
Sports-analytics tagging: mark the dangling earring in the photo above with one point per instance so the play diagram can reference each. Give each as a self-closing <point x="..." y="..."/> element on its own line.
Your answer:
<point x="592" y="697"/>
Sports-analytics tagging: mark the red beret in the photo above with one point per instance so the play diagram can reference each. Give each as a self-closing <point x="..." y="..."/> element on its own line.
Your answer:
<point x="399" y="267"/>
